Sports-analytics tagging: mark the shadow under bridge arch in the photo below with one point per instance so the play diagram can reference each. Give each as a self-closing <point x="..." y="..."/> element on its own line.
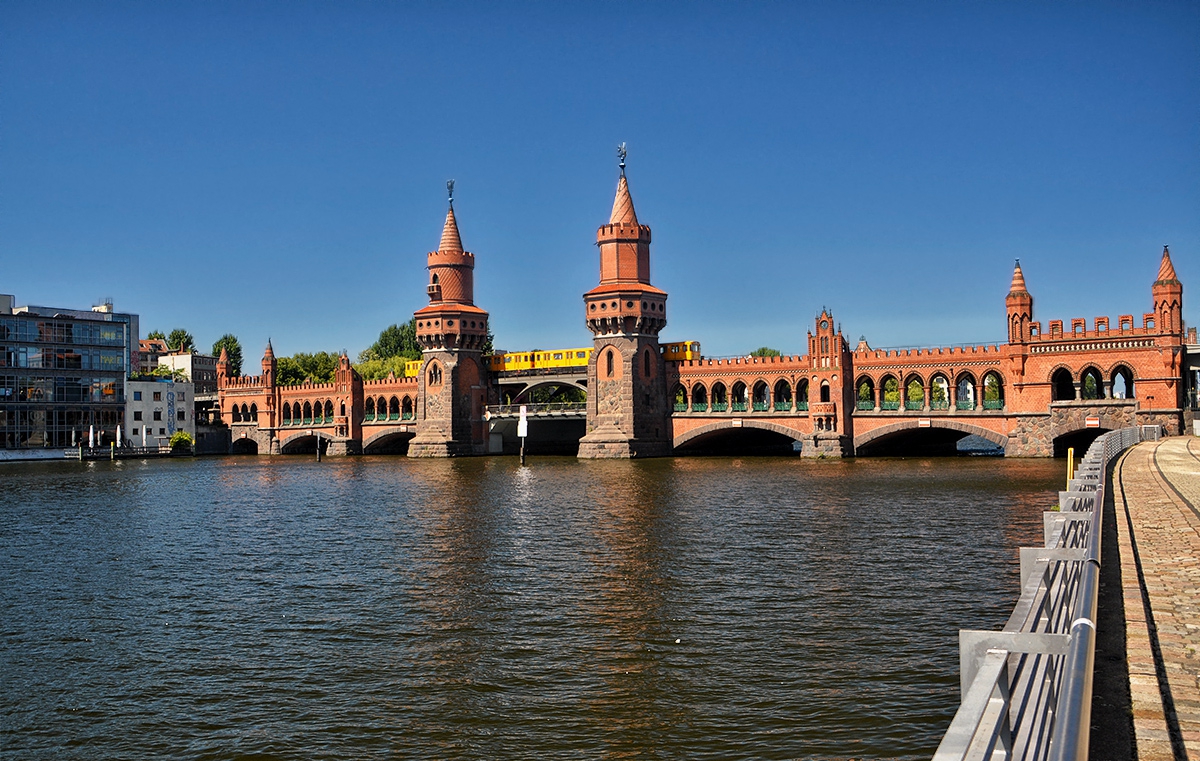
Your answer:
<point x="738" y="437"/>
<point x="911" y="437"/>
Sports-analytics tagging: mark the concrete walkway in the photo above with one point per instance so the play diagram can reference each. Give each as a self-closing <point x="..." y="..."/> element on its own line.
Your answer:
<point x="1157" y="498"/>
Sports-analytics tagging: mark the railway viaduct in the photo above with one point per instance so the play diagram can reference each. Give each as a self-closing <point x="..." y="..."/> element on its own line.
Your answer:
<point x="1044" y="388"/>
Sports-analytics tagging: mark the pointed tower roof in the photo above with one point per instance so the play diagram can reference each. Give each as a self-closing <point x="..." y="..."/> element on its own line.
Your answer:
<point x="622" y="211"/>
<point x="270" y="352"/>
<point x="1166" y="270"/>
<point x="1018" y="280"/>
<point x="451" y="242"/>
<point x="224" y="358"/>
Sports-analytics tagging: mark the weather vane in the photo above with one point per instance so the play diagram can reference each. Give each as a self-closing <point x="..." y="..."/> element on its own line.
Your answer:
<point x="621" y="155"/>
<point x="450" y="190"/>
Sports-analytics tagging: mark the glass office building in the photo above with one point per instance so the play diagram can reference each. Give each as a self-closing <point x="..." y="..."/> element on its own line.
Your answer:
<point x="62" y="374"/>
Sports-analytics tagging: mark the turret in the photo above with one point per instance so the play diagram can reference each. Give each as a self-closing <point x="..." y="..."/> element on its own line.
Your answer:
<point x="222" y="368"/>
<point x="268" y="365"/>
<point x="1168" y="297"/>
<point x="451" y="320"/>
<point x="1019" y="303"/>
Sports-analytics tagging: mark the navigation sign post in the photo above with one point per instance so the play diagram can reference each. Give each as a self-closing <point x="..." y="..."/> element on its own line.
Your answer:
<point x="523" y="431"/>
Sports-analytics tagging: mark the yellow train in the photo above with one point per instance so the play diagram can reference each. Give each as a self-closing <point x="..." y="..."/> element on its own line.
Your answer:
<point x="681" y="350"/>
<point x="528" y="361"/>
<point x="412" y="368"/>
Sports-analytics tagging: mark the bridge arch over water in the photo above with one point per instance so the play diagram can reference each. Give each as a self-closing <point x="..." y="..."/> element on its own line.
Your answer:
<point x="938" y="432"/>
<point x="303" y="442"/>
<point x="735" y="428"/>
<point x="388" y="441"/>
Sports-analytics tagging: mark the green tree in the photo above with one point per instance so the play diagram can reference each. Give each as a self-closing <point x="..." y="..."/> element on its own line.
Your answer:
<point x="233" y="352"/>
<point x="914" y="392"/>
<point x="181" y="440"/>
<point x="765" y="351"/>
<point x="865" y="394"/>
<point x="377" y="369"/>
<point x="294" y="370"/>
<point x="991" y="388"/>
<point x="394" y="341"/>
<point x="177" y="374"/>
<point x="156" y="334"/>
<point x="891" y="390"/>
<point x="181" y="340"/>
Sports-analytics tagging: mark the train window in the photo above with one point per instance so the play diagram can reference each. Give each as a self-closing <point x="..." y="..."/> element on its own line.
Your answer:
<point x="580" y="354"/>
<point x="558" y="355"/>
<point x="507" y="359"/>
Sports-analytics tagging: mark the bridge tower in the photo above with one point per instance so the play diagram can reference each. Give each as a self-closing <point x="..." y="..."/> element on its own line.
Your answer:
<point x="627" y="414"/>
<point x="452" y="392"/>
<point x="348" y="403"/>
<point x="1019" y="306"/>
<point x="1168" y="297"/>
<point x="266" y="416"/>
<point x="830" y="391"/>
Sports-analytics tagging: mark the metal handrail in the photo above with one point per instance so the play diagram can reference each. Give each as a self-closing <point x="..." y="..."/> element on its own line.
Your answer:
<point x="1039" y="705"/>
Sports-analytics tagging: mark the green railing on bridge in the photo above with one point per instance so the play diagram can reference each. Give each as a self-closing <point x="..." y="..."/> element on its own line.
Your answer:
<point x="681" y="406"/>
<point x="886" y="405"/>
<point x="964" y="404"/>
<point x="719" y="406"/>
<point x="865" y="405"/>
<point x="783" y="406"/>
<point x="942" y="405"/>
<point x="369" y="417"/>
<point x="739" y="406"/>
<point x="909" y="404"/>
<point x="802" y="406"/>
<point x="993" y="404"/>
<point x="760" y="406"/>
<point x="699" y="407"/>
<point x="407" y="415"/>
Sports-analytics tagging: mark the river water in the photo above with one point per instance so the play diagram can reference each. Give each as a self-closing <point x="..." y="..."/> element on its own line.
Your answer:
<point x="379" y="607"/>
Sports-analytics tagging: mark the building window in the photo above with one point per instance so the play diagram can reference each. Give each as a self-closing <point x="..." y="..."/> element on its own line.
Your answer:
<point x="137" y="396"/>
<point x="182" y="397"/>
<point x="162" y="431"/>
<point x="158" y="414"/>
<point x="182" y="416"/>
<point x="137" y="415"/>
<point x="158" y="396"/>
<point x="133" y="432"/>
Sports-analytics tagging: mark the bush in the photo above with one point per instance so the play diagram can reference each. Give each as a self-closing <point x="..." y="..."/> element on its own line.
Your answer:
<point x="182" y="440"/>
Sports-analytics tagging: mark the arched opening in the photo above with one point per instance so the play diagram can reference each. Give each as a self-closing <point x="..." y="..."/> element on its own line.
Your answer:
<point x="864" y="393"/>
<point x="939" y="393"/>
<point x="235" y="414"/>
<point x="342" y="409"/>
<point x="934" y="441"/>
<point x="699" y="398"/>
<point x="307" y="414"/>
<point x="254" y="412"/>
<point x="393" y="409"/>
<point x="286" y="414"/>
<point x="646" y="363"/>
<point x="993" y="392"/>
<point x="825" y="391"/>
<point x="328" y="411"/>
<point x="1062" y="386"/>
<point x="1091" y="385"/>
<point x="302" y="444"/>
<point x="434" y="376"/>
<point x="609" y="363"/>
<point x="388" y="443"/>
<point x="891" y="393"/>
<point x="406" y="408"/>
<point x="745" y="441"/>
<point x="720" y="397"/>
<point x="761" y="397"/>
<point x="1122" y="383"/>
<point x="296" y="415"/>
<point x="783" y="396"/>
<point x="435" y="279"/>
<point x="369" y="409"/>
<point x="965" y="392"/>
<point x="1078" y="440"/>
<point x="244" y="446"/>
<point x="681" y="398"/>
<point x="802" y="394"/>
<point x="914" y="393"/>
<point x="738" y="397"/>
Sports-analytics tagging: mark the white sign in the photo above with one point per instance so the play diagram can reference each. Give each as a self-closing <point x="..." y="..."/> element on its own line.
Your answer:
<point x="923" y="422"/>
<point x="1092" y="422"/>
<point x="523" y="424"/>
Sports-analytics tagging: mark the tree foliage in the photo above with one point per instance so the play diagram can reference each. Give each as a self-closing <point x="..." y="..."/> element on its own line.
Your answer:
<point x="177" y="374"/>
<point x="377" y="369"/>
<point x="766" y="351"/>
<point x="181" y="340"/>
<point x="394" y="341"/>
<point x="319" y="368"/>
<point x="156" y="334"/>
<point x="233" y="352"/>
<point x="181" y="440"/>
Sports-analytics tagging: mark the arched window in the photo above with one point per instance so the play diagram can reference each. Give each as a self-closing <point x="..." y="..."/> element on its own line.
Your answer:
<point x="435" y="279"/>
<point x="393" y="409"/>
<point x="307" y="413"/>
<point x="1122" y="383"/>
<point x="965" y="392"/>
<point x="783" y="396"/>
<point x="761" y="396"/>
<point x="802" y="394"/>
<point x="406" y="409"/>
<point x="1062" y="386"/>
<point x="720" y="400"/>
<point x="342" y="409"/>
<point x="609" y="361"/>
<point x="738" y="398"/>
<point x="245" y="413"/>
<point x="287" y="414"/>
<point x="435" y="374"/>
<point x="891" y="393"/>
<point x="699" y="398"/>
<point x="939" y="393"/>
<point x="993" y="392"/>
<point x="1091" y="384"/>
<point x="328" y="411"/>
<point x="824" y="391"/>
<point x="824" y="344"/>
<point x="369" y="409"/>
<point x="865" y="394"/>
<point x="236" y="414"/>
<point x="914" y="393"/>
<point x="680" y="397"/>
<point x="254" y="412"/>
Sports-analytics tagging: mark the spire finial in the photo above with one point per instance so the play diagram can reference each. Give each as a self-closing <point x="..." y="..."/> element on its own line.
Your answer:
<point x="450" y="192"/>
<point x="621" y="155"/>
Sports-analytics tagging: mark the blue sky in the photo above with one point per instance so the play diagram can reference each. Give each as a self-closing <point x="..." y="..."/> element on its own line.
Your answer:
<point x="278" y="169"/>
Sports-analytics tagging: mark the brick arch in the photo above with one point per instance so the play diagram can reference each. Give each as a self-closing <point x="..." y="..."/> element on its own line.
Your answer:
<point x="913" y="424"/>
<point x="387" y="434"/>
<point x="1112" y="368"/>
<point x="304" y="434"/>
<point x="727" y="425"/>
<point x="521" y="397"/>
<point x="1074" y="371"/>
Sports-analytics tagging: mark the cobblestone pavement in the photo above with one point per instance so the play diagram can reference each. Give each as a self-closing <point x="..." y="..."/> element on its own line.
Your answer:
<point x="1157" y="496"/>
